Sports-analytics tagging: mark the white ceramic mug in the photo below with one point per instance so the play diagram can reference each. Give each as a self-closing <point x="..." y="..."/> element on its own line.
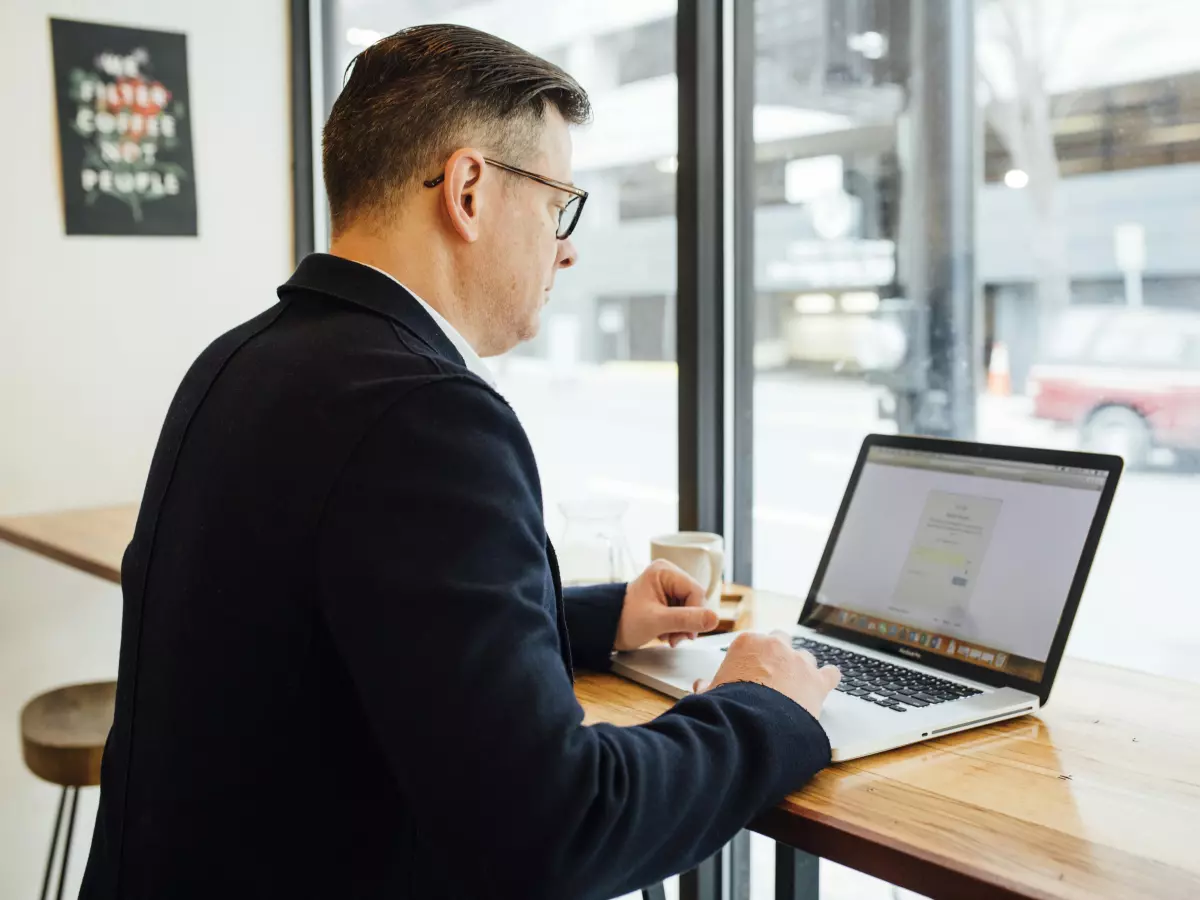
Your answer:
<point x="700" y="554"/>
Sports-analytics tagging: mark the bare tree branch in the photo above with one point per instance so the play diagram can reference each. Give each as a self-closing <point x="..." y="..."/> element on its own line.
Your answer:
<point x="1058" y="40"/>
<point x="1025" y="125"/>
<point x="1016" y="42"/>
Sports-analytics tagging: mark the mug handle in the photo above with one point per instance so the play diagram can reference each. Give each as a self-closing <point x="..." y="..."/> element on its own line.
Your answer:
<point x="716" y="565"/>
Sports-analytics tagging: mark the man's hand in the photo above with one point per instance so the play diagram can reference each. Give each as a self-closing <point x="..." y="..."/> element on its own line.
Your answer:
<point x="664" y="602"/>
<point x="770" y="660"/>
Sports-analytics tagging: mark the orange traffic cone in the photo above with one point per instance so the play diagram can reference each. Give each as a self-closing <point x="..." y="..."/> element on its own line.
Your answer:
<point x="999" y="378"/>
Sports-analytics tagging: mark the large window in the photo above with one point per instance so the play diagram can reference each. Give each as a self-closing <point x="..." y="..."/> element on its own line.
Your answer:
<point x="1086" y="322"/>
<point x="596" y="390"/>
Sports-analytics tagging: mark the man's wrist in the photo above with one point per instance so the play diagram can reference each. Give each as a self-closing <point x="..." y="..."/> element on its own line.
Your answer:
<point x="593" y="619"/>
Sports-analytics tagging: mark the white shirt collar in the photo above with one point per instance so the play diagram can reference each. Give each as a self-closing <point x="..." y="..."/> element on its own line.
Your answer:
<point x="472" y="359"/>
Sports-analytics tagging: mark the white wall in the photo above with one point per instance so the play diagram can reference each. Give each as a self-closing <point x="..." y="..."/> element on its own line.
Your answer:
<point x="95" y="334"/>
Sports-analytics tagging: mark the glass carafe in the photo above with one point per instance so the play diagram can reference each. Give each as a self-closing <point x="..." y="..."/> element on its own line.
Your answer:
<point x="592" y="547"/>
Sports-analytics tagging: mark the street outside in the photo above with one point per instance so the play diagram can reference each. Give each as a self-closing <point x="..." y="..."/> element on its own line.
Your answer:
<point x="610" y="432"/>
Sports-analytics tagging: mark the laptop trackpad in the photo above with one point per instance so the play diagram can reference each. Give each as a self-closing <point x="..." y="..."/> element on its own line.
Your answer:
<point x="680" y="666"/>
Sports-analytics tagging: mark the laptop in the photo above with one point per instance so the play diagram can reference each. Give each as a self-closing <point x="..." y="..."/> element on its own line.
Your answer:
<point x="945" y="593"/>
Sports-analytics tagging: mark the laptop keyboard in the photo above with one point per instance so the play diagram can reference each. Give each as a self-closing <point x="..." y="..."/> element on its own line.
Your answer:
<point x="884" y="684"/>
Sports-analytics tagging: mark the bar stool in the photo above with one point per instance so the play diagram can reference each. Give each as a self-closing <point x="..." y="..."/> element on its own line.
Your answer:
<point x="62" y="738"/>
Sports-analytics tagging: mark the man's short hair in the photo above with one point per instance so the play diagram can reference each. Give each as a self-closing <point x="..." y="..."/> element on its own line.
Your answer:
<point x="413" y="98"/>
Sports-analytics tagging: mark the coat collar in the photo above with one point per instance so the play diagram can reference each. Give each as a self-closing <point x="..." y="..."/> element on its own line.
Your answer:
<point x="361" y="285"/>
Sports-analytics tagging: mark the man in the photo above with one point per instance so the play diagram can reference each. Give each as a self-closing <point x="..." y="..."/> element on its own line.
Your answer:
<point x="346" y="660"/>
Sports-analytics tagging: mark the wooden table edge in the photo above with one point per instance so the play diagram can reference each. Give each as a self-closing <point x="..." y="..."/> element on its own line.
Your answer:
<point x="48" y="549"/>
<point x="903" y="865"/>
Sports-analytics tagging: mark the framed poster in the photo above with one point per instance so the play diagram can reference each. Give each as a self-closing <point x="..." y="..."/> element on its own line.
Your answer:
<point x="124" y="130"/>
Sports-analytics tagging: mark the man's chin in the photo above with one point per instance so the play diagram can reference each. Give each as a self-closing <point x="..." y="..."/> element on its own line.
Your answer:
<point x="532" y="329"/>
<point x="521" y="335"/>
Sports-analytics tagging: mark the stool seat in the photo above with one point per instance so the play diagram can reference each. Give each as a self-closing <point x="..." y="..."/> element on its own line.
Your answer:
<point x="63" y="732"/>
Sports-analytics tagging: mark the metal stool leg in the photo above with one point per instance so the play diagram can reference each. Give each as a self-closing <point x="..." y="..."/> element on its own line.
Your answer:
<point x="654" y="892"/>
<point x="62" y="802"/>
<point x="703" y="882"/>
<point x="62" y="874"/>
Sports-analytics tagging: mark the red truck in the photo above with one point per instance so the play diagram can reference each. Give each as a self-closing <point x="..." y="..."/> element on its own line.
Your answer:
<point x="1128" y="378"/>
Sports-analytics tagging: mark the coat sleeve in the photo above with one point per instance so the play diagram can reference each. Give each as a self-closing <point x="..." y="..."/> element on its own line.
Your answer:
<point x="438" y="509"/>
<point x="592" y="616"/>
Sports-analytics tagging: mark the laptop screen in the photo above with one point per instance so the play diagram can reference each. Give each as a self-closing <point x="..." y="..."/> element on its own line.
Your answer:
<point x="963" y="556"/>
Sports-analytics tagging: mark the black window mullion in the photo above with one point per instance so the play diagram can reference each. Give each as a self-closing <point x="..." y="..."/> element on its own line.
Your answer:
<point x="700" y="327"/>
<point x="303" y="204"/>
<point x="744" y="296"/>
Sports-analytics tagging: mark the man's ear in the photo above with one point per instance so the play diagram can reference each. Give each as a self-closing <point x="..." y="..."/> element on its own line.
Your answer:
<point x="461" y="192"/>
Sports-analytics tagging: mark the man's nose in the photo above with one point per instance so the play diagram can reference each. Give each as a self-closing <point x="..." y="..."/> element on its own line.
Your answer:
<point x="567" y="254"/>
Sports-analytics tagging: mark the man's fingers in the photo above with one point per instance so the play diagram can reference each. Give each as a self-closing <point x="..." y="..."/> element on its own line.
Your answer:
<point x="812" y="659"/>
<point x="831" y="675"/>
<point x="690" y="619"/>
<point x="676" y="638"/>
<point x="700" y="685"/>
<point x="680" y="587"/>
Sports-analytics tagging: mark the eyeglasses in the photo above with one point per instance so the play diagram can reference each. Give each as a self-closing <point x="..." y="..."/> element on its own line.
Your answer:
<point x="568" y="216"/>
